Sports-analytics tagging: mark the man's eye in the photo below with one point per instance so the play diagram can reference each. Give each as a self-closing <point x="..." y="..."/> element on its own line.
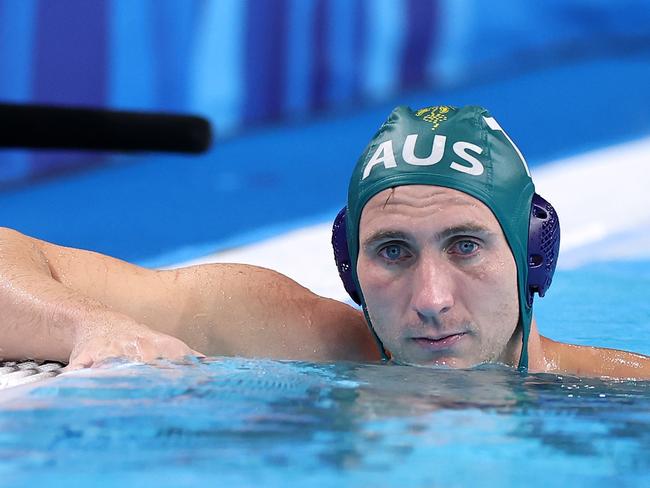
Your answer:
<point x="392" y="252"/>
<point x="465" y="248"/>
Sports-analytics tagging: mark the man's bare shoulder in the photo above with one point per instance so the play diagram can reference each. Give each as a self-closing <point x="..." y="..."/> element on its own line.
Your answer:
<point x="594" y="361"/>
<point x="346" y="330"/>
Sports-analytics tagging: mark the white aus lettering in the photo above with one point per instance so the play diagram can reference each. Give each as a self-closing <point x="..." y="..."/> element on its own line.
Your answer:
<point x="437" y="151"/>
<point x="383" y="154"/>
<point x="460" y="148"/>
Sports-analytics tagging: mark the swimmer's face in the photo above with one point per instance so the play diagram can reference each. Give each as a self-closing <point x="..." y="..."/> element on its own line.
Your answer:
<point x="438" y="278"/>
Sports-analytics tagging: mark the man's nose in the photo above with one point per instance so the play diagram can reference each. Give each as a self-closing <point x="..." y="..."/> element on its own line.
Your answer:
<point x="433" y="285"/>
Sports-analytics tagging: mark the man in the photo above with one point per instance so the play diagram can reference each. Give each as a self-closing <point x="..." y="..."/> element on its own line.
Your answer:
<point x="439" y="249"/>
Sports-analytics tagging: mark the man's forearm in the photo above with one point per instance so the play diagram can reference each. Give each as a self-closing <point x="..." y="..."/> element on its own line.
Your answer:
<point x="37" y="313"/>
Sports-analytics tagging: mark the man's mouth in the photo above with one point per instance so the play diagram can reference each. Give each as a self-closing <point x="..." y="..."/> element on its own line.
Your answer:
<point x="439" y="343"/>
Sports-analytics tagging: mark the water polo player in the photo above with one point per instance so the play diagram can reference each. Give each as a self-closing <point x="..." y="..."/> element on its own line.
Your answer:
<point x="443" y="243"/>
<point x="444" y="232"/>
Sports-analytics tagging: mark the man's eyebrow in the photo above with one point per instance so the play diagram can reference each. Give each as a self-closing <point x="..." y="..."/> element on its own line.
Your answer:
<point x="463" y="229"/>
<point x="383" y="235"/>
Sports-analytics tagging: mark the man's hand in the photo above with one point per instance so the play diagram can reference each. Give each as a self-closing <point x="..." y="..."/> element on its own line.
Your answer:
<point x="81" y="307"/>
<point x="130" y="341"/>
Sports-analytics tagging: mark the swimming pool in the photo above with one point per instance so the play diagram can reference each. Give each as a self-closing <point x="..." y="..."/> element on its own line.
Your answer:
<point x="257" y="422"/>
<point x="245" y="422"/>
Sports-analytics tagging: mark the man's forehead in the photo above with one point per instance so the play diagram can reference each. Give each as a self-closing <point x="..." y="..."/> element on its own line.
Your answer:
<point x="420" y="196"/>
<point x="413" y="201"/>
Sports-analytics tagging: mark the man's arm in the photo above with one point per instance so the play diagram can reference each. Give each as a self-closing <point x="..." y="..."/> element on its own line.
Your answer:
<point x="596" y="361"/>
<point x="250" y="311"/>
<point x="60" y="303"/>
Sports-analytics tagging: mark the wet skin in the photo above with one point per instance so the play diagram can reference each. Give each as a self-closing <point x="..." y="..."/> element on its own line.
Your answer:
<point x="438" y="277"/>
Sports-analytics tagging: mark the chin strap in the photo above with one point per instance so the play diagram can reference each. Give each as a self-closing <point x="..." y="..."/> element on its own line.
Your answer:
<point x="523" y="359"/>
<point x="382" y="350"/>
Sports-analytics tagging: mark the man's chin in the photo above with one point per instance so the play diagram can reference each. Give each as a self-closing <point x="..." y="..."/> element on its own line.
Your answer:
<point x="448" y="362"/>
<point x="457" y="354"/>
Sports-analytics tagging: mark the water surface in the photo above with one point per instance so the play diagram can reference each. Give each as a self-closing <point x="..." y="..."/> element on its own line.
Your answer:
<point x="276" y="423"/>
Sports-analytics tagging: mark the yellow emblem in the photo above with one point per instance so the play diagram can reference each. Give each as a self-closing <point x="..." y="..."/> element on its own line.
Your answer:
<point x="434" y="115"/>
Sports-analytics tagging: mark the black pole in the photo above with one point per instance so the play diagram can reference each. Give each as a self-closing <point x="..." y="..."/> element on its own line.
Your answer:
<point x="46" y="127"/>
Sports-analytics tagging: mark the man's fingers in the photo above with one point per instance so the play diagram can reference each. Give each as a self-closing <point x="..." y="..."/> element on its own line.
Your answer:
<point x="73" y="367"/>
<point x="139" y="345"/>
<point x="79" y="362"/>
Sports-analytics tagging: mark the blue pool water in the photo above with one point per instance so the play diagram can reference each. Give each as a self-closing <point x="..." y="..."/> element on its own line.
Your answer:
<point x="257" y="422"/>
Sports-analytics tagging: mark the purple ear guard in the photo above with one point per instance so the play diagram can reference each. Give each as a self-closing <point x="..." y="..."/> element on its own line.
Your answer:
<point x="543" y="246"/>
<point x="342" y="255"/>
<point x="543" y="249"/>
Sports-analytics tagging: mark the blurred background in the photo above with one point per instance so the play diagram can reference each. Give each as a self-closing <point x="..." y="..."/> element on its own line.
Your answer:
<point x="294" y="90"/>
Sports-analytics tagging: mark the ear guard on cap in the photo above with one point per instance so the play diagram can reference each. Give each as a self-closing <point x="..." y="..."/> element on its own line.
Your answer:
<point x="342" y="255"/>
<point x="543" y="246"/>
<point x="543" y="249"/>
